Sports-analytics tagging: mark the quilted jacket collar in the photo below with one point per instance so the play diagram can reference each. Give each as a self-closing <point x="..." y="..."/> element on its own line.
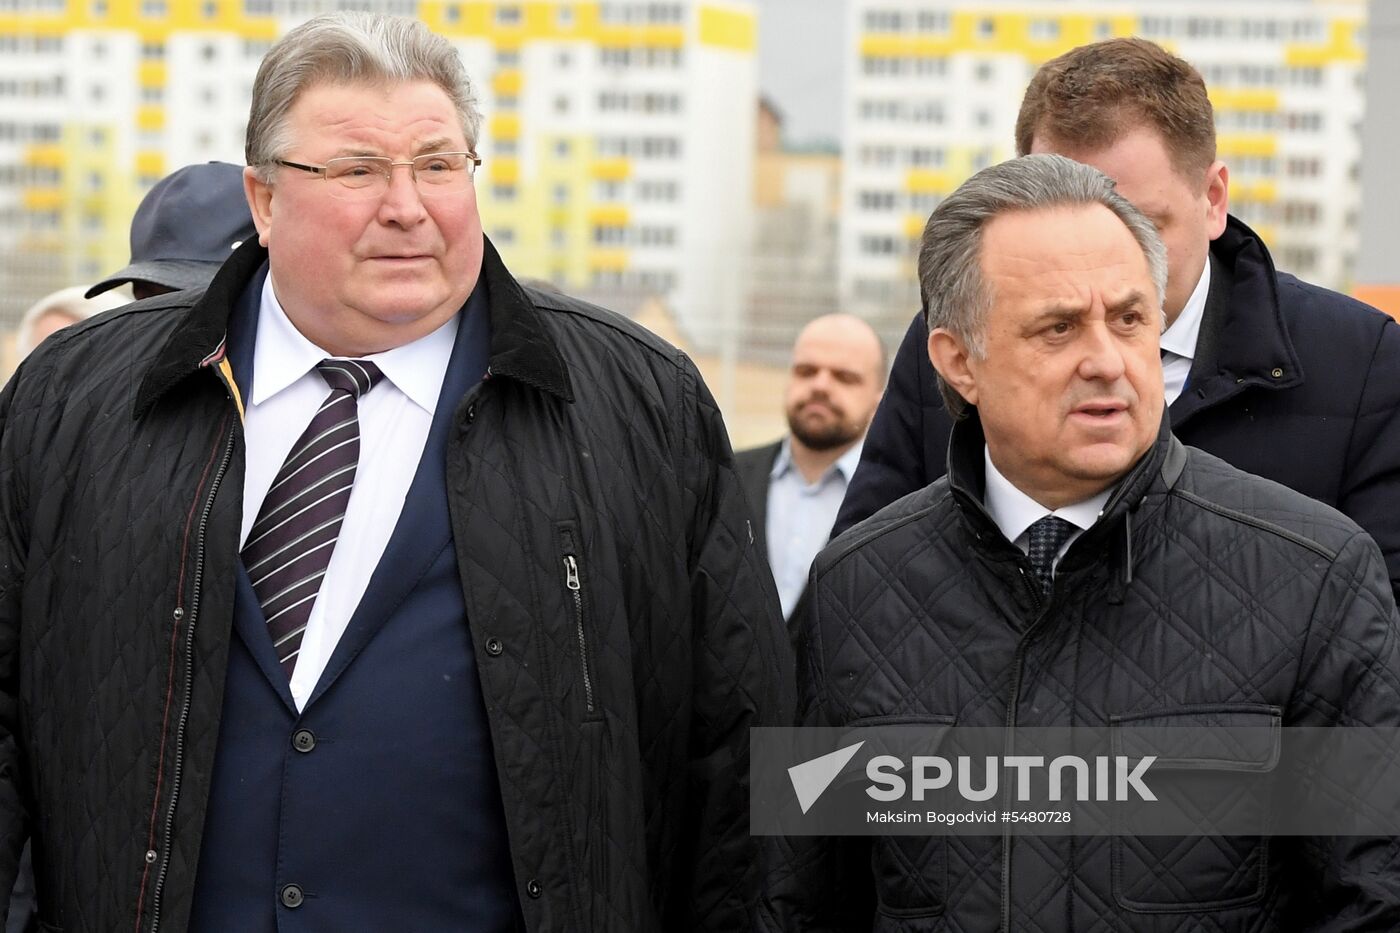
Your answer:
<point x="521" y="346"/>
<point x="1159" y="468"/>
<point x="1244" y="341"/>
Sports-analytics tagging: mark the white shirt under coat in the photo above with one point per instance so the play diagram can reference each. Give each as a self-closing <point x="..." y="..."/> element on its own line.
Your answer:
<point x="1179" y="340"/>
<point x="394" y="420"/>
<point x="1015" y="512"/>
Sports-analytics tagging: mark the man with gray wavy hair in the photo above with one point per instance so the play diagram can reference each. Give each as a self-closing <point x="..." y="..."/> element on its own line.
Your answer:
<point x="368" y="589"/>
<point x="1079" y="566"/>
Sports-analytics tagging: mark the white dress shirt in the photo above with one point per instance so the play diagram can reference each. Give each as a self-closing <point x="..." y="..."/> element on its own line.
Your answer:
<point x="800" y="516"/>
<point x="394" y="420"/>
<point x="1015" y="512"/>
<point x="1179" y="340"/>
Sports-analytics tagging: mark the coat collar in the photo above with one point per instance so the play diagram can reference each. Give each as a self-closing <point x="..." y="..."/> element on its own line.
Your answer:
<point x="1244" y="341"/>
<point x="1161" y="464"/>
<point x="521" y="346"/>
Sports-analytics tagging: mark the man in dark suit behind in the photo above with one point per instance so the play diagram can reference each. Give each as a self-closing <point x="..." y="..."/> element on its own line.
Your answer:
<point x="795" y="485"/>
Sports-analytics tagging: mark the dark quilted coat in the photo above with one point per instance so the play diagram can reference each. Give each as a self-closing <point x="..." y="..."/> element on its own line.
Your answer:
<point x="1291" y="382"/>
<point x="1203" y="594"/>
<point x="121" y="464"/>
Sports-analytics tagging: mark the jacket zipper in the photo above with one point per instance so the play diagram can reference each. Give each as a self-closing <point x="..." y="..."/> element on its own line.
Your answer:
<point x="189" y="683"/>
<point x="574" y="582"/>
<point x="1019" y="660"/>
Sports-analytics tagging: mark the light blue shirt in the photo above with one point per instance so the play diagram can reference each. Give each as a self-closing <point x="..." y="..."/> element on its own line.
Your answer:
<point x="800" y="517"/>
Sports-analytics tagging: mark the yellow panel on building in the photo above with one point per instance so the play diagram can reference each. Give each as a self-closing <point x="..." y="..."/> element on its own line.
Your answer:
<point x="505" y="171"/>
<point x="1247" y="144"/>
<point x="1260" y="191"/>
<point x="609" y="215"/>
<point x="1244" y="99"/>
<point x="1340" y="47"/>
<point x="728" y="29"/>
<point x="45" y="156"/>
<point x="150" y="117"/>
<point x="43" y="199"/>
<point x="607" y="260"/>
<point x="150" y="164"/>
<point x="151" y="74"/>
<point x="660" y="37"/>
<point x="505" y="126"/>
<point x="928" y="181"/>
<point x="508" y="82"/>
<point x="618" y="169"/>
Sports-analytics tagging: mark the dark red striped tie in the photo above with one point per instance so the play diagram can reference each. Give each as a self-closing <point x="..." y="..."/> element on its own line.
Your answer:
<point x="290" y="545"/>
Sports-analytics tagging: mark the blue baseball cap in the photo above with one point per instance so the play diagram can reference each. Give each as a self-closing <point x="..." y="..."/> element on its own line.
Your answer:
<point x="187" y="225"/>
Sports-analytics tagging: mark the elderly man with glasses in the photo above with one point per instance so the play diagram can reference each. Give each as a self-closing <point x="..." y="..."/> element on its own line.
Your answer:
<point x="367" y="589"/>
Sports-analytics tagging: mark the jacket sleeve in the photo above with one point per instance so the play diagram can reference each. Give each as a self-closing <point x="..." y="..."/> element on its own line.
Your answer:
<point x="816" y="884"/>
<point x="742" y="677"/>
<point x="1350" y="676"/>
<point x="1371" y="488"/>
<point x="895" y="460"/>
<point x="14" y="807"/>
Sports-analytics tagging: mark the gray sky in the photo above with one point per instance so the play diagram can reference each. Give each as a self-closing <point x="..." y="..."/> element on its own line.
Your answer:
<point x="800" y="66"/>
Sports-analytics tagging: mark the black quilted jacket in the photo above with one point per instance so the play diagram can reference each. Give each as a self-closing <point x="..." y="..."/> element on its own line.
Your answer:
<point x="1203" y="594"/>
<point x="121" y="462"/>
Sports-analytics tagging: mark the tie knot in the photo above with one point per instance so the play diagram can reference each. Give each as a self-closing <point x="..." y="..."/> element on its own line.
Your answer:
<point x="354" y="376"/>
<point x="1046" y="537"/>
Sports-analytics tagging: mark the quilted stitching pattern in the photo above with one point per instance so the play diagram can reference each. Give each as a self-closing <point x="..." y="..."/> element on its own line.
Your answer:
<point x="1241" y="592"/>
<point x="633" y="818"/>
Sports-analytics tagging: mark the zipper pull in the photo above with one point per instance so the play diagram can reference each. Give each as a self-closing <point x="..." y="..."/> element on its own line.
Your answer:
<point x="571" y="572"/>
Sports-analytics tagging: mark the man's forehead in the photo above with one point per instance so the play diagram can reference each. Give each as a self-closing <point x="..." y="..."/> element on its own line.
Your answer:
<point x="1062" y="250"/>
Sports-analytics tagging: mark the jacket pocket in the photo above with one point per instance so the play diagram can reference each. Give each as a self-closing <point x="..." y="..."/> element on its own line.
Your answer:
<point x="572" y="573"/>
<point x="911" y="872"/>
<point x="1192" y="874"/>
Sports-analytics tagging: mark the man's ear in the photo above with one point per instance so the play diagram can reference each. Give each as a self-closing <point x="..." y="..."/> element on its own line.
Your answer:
<point x="1217" y="198"/>
<point x="950" y="358"/>
<point x="259" y="195"/>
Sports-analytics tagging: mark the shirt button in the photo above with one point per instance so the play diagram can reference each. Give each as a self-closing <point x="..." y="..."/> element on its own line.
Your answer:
<point x="303" y="740"/>
<point x="532" y="888"/>
<point x="494" y="646"/>
<point x="292" y="896"/>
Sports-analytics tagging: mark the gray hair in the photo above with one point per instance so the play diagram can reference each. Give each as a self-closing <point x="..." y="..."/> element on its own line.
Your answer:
<point x="350" y="48"/>
<point x="950" y="254"/>
<point x="66" y="302"/>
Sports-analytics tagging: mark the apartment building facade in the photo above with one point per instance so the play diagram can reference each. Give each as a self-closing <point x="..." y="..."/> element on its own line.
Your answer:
<point x="617" y="146"/>
<point x="933" y="87"/>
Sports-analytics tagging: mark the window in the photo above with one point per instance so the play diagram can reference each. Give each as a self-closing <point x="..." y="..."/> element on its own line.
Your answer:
<point x="508" y="15"/>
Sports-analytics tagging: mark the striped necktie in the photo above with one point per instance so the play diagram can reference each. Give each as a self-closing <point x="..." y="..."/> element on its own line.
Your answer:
<point x="290" y="544"/>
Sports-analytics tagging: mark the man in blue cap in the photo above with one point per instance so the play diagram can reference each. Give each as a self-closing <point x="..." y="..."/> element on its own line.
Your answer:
<point x="186" y="226"/>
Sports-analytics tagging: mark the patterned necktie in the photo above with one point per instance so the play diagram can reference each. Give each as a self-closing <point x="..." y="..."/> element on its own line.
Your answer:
<point x="290" y="544"/>
<point x="1047" y="536"/>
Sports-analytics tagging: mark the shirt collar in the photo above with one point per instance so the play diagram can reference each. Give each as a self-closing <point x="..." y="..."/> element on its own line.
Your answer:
<point x="845" y="464"/>
<point x="282" y="355"/>
<point x="1181" y="337"/>
<point x="1014" y="511"/>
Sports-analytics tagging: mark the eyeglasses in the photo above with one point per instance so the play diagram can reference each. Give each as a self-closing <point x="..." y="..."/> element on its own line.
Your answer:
<point x="355" y="178"/>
